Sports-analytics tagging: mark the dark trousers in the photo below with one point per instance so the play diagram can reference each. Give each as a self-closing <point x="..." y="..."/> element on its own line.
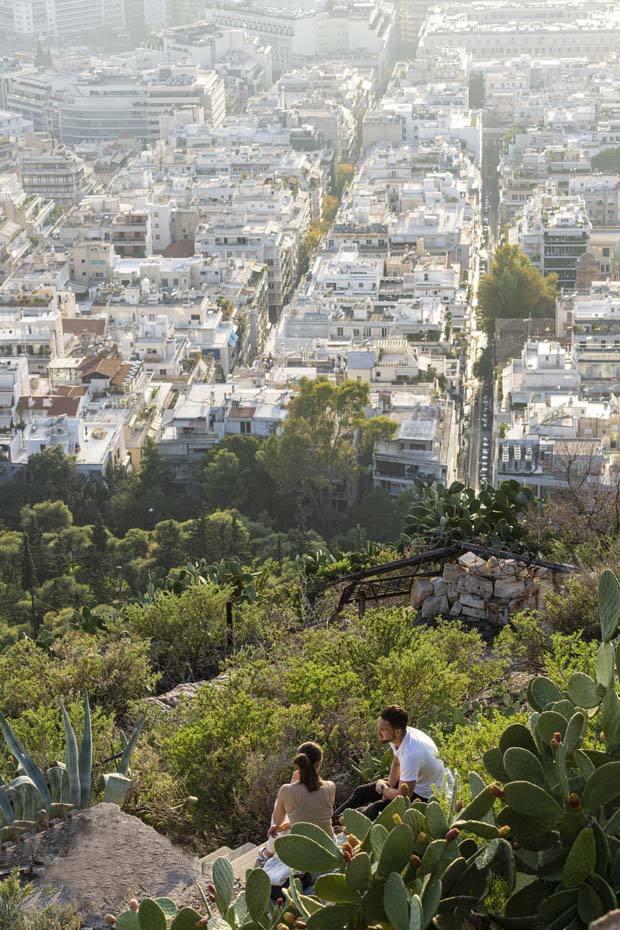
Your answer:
<point x="367" y="798"/>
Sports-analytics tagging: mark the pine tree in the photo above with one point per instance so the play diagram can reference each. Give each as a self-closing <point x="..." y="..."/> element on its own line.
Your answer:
<point x="29" y="580"/>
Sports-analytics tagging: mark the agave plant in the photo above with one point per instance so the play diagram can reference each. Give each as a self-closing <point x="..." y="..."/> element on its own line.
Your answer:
<point x="27" y="802"/>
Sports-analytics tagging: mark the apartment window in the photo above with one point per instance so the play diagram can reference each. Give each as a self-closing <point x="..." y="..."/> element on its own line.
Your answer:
<point x="162" y="371"/>
<point x="246" y="428"/>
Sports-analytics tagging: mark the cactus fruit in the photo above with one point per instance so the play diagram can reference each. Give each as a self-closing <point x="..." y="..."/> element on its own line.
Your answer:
<point x="452" y="834"/>
<point x="458" y="806"/>
<point x="110" y="920"/>
<point x="134" y="904"/>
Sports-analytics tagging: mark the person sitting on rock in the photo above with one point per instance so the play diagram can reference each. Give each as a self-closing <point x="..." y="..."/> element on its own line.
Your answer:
<point x="306" y="799"/>
<point x="416" y="768"/>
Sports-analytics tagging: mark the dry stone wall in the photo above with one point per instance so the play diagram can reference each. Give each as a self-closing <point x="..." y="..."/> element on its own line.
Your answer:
<point x="490" y="590"/>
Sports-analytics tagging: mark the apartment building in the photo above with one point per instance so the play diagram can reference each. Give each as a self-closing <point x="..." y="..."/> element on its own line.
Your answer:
<point x="60" y="17"/>
<point x="59" y="175"/>
<point x="425" y="445"/>
<point x="561" y="442"/>
<point x="264" y="241"/>
<point x="544" y="369"/>
<point x="362" y="32"/>
<point x="593" y="322"/>
<point x="14" y="384"/>
<point x="554" y="232"/>
<point x="31" y="328"/>
<point x="206" y="413"/>
<point x="555" y="29"/>
<point x="601" y="196"/>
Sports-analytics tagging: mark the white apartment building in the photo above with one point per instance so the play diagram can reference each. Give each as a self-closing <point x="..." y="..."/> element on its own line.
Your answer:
<point x="13" y="124"/>
<point x="444" y="229"/>
<point x="346" y="274"/>
<point x="260" y="240"/>
<point x="601" y="195"/>
<point x="544" y="369"/>
<point x="60" y="17"/>
<point x="593" y="321"/>
<point x="363" y="32"/>
<point x="560" y="440"/>
<point x="58" y="175"/>
<point x="425" y="446"/>
<point x="206" y="413"/>
<point x="14" y="384"/>
<point x="216" y="49"/>
<point x="554" y="29"/>
<point x="554" y="232"/>
<point x="31" y="329"/>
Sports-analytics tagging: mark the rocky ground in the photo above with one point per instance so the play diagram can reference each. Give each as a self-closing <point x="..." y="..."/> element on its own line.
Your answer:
<point x="100" y="858"/>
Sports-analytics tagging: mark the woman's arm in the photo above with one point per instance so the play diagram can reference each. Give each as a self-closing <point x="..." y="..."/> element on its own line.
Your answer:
<point x="280" y="820"/>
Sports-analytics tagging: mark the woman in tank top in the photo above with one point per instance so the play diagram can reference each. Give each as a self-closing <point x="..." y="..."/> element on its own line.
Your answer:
<point x="307" y="799"/>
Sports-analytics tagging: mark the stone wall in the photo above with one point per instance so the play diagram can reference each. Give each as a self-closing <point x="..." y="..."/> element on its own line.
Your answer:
<point x="490" y="590"/>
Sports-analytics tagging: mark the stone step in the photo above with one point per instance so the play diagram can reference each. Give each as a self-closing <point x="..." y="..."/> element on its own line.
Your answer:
<point x="207" y="861"/>
<point x="244" y="862"/>
<point x="242" y="850"/>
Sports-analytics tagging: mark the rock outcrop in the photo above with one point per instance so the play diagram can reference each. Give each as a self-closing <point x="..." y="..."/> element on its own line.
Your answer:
<point x="100" y="858"/>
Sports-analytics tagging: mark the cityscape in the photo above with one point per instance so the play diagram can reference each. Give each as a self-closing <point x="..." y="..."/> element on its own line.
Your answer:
<point x="309" y="435"/>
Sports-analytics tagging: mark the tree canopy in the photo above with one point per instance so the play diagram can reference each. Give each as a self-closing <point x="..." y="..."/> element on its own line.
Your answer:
<point x="515" y="289"/>
<point x="608" y="160"/>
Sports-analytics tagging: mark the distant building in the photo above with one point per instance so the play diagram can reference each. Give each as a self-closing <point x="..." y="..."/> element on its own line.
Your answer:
<point x="554" y="232"/>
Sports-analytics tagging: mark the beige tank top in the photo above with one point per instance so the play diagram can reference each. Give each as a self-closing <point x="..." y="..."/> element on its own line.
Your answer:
<point x="317" y="807"/>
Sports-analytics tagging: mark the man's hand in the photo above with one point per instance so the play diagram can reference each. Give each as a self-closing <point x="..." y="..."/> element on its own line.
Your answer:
<point x="381" y="785"/>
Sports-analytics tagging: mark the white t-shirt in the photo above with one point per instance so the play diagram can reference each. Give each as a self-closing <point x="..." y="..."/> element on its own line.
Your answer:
<point x="419" y="762"/>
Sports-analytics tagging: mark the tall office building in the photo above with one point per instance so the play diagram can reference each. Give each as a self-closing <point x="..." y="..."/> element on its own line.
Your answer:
<point x="27" y="17"/>
<point x="60" y="17"/>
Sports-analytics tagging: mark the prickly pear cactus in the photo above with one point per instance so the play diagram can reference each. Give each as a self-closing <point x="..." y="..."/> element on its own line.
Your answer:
<point x="418" y="865"/>
<point x="560" y="801"/>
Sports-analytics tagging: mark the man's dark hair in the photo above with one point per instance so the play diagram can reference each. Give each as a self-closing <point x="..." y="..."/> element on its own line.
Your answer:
<point x="396" y="716"/>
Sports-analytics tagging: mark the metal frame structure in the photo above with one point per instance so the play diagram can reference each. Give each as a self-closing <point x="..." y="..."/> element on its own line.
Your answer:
<point x="388" y="580"/>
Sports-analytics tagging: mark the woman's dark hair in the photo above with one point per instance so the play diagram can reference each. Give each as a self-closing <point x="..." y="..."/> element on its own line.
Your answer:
<point x="396" y="716"/>
<point x="307" y="757"/>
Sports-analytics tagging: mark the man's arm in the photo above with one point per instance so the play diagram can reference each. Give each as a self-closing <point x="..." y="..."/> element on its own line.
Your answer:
<point x="390" y="793"/>
<point x="392" y="785"/>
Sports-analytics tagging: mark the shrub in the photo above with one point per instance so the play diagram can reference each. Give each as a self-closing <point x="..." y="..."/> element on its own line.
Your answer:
<point x="14" y="916"/>
<point x="114" y="672"/>
<point x="185" y="631"/>
<point x="576" y="609"/>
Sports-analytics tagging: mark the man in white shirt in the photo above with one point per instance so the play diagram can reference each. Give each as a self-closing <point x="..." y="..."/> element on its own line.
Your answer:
<point x="416" y="765"/>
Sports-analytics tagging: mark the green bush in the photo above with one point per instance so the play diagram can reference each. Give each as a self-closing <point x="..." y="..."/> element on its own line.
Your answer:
<point x="185" y="631"/>
<point x="576" y="608"/>
<point x="14" y="916"/>
<point x="114" y="672"/>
